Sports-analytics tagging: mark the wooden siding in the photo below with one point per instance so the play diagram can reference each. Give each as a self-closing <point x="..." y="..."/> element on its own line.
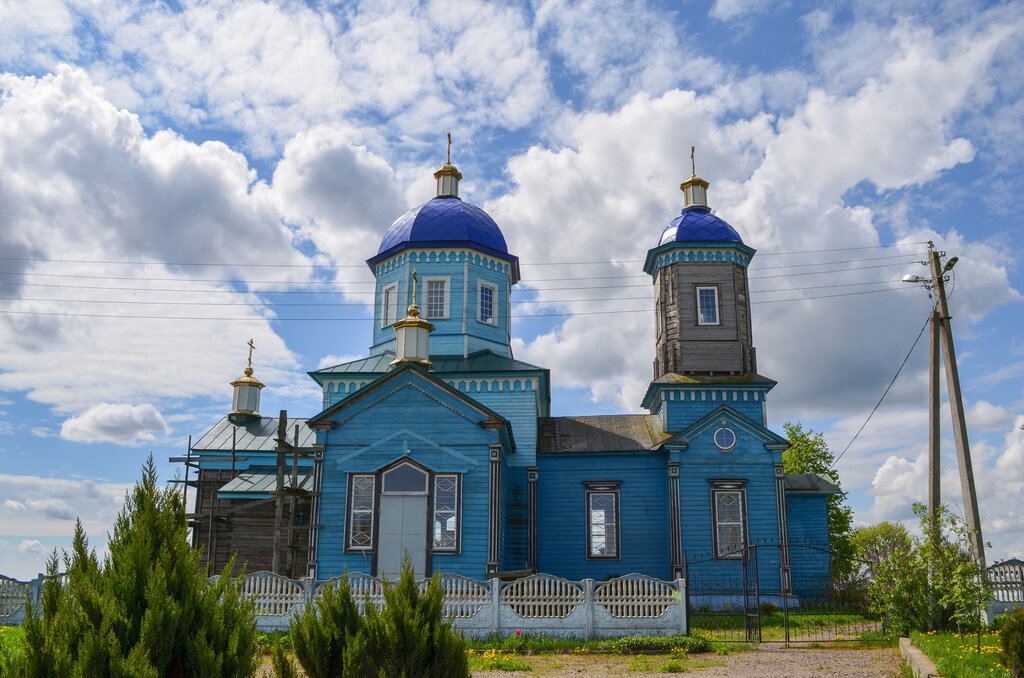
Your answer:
<point x="451" y="335"/>
<point x="243" y="528"/>
<point x="643" y="508"/>
<point x="807" y="522"/>
<point x="423" y="424"/>
<point x="685" y="347"/>
<point x="681" y="412"/>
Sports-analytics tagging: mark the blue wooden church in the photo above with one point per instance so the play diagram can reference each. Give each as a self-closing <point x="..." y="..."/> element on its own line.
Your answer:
<point x="440" y="444"/>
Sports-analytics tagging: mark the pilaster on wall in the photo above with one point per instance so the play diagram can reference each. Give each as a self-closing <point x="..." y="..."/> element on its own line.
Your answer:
<point x="780" y="493"/>
<point x="532" y="474"/>
<point x="494" y="525"/>
<point x="675" y="529"/>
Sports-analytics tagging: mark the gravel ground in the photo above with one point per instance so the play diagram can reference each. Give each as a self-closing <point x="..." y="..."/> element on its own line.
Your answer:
<point x="768" y="661"/>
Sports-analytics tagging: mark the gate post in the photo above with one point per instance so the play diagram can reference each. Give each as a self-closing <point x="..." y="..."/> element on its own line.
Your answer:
<point x="588" y="608"/>
<point x="683" y="603"/>
<point x="495" y="606"/>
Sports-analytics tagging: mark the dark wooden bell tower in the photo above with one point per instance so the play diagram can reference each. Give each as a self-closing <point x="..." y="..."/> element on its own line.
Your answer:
<point x="702" y="300"/>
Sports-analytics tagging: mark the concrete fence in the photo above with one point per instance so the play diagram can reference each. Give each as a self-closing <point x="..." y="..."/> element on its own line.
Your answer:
<point x="540" y="604"/>
<point x="1007" y="582"/>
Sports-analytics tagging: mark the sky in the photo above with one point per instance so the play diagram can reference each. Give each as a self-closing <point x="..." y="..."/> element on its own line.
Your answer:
<point x="177" y="178"/>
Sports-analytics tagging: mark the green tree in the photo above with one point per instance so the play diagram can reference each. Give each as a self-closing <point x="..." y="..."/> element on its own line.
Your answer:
<point x="809" y="453"/>
<point x="939" y="566"/>
<point x="874" y="543"/>
<point x="147" y="610"/>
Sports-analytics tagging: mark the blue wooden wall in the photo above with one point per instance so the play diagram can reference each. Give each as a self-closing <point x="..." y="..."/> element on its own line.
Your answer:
<point x="643" y="503"/>
<point x="408" y="418"/>
<point x="807" y="520"/>
<point x="465" y="270"/>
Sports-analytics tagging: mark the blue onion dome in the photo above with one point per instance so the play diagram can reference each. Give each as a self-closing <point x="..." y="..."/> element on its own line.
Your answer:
<point x="699" y="224"/>
<point x="444" y="221"/>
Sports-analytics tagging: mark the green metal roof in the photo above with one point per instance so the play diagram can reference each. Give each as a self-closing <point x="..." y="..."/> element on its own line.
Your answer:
<point x="481" y="361"/>
<point x="810" y="483"/>
<point x="252" y="436"/>
<point x="601" y="433"/>
<point x="262" y="480"/>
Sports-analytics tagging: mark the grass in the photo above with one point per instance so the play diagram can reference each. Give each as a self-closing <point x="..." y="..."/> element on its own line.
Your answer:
<point x="10" y="639"/>
<point x="627" y="645"/>
<point x="497" y="660"/>
<point x="957" y="657"/>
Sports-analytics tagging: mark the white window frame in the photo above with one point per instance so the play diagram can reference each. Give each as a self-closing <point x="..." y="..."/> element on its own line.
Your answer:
<point x="603" y="489"/>
<point x="456" y="547"/>
<point x="718" y="306"/>
<point x="385" y="321"/>
<point x="350" y="512"/>
<point x="738" y="489"/>
<point x="480" y="303"/>
<point x="447" y="297"/>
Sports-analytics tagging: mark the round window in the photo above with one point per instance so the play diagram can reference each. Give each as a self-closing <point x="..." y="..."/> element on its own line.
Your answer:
<point x="725" y="439"/>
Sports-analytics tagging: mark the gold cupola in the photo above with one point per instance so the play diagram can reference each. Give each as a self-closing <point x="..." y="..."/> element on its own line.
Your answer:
<point x="695" y="189"/>
<point x="245" y="404"/>
<point x="448" y="176"/>
<point x="412" y="344"/>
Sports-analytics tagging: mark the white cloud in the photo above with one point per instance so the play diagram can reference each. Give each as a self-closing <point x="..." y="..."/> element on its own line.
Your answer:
<point x="727" y="10"/>
<point x="105" y="191"/>
<point x="47" y="507"/>
<point x="32" y="546"/>
<point x="984" y="416"/>
<point x="118" y="423"/>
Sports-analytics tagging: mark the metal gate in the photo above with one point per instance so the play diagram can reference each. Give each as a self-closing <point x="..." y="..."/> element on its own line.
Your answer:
<point x="801" y="593"/>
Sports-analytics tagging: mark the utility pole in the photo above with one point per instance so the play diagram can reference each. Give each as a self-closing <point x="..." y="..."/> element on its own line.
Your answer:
<point x="940" y="320"/>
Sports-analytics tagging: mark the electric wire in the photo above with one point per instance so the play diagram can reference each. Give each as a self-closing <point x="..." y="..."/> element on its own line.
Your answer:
<point x="107" y="262"/>
<point x="362" y="318"/>
<point x="332" y="304"/>
<point x="885" y="393"/>
<point x="79" y="276"/>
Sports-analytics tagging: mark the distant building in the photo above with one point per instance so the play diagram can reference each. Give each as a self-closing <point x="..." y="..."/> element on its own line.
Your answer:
<point x="440" y="444"/>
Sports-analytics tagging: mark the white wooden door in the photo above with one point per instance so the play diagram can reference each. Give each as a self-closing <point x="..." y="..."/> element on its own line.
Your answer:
<point x="403" y="530"/>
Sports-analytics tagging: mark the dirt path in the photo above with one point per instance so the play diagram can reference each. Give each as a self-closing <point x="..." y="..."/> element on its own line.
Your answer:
<point x="769" y="661"/>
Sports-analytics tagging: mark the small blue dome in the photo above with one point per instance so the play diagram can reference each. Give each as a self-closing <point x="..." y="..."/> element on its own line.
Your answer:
<point x="696" y="224"/>
<point x="445" y="220"/>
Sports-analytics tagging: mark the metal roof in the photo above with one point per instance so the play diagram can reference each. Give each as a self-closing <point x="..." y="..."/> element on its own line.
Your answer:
<point x="604" y="433"/>
<point x="253" y="436"/>
<point x="444" y="221"/>
<point x="481" y="361"/>
<point x="810" y="483"/>
<point x="699" y="224"/>
<point x="262" y="480"/>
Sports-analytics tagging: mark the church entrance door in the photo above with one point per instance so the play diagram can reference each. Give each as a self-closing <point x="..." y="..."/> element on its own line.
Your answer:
<point x="403" y="521"/>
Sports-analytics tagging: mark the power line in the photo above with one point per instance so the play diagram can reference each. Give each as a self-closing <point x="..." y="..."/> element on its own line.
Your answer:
<point x="334" y="304"/>
<point x="79" y="276"/>
<point x="130" y="262"/>
<point x="885" y="393"/>
<point x="362" y="318"/>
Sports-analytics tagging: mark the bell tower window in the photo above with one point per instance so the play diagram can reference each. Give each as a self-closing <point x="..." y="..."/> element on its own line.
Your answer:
<point x="437" y="297"/>
<point x="707" y="305"/>
<point x="389" y="305"/>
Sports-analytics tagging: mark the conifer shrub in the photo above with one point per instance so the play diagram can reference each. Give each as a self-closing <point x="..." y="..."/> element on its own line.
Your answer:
<point x="321" y="635"/>
<point x="1011" y="641"/>
<point x="147" y="610"/>
<point x="409" y="637"/>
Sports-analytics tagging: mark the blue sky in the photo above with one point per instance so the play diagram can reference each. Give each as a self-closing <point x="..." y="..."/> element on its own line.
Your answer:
<point x="175" y="179"/>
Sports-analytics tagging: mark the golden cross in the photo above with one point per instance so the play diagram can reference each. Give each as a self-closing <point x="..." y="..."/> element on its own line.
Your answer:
<point x="251" y="347"/>
<point x="449" y="148"/>
<point x="414" y="287"/>
<point x="693" y="162"/>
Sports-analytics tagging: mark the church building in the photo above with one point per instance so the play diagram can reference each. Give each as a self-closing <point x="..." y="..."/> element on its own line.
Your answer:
<point x="440" y="446"/>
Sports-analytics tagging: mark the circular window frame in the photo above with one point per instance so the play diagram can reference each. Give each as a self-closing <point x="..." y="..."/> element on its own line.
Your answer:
<point x="719" y="445"/>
